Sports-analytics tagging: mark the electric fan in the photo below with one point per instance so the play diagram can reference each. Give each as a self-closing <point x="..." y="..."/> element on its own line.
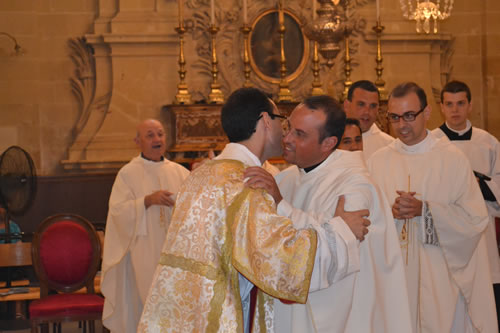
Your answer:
<point x="17" y="185"/>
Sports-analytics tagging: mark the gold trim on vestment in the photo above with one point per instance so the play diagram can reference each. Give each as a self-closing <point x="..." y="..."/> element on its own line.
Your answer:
<point x="216" y="304"/>
<point x="261" y="309"/>
<point x="230" y="217"/>
<point x="188" y="265"/>
<point x="220" y="286"/>
<point x="304" y="287"/>
<point x="251" y="234"/>
<point x="209" y="273"/>
<point x="228" y="254"/>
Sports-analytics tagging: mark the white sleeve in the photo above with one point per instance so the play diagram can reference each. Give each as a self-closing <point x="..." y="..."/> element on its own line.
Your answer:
<point x="337" y="253"/>
<point x="126" y="220"/>
<point x="494" y="183"/>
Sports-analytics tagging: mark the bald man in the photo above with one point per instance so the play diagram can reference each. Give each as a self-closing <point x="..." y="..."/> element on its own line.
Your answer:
<point x="138" y="219"/>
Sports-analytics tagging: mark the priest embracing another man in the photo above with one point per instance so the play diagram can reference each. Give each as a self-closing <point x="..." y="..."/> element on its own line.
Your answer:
<point x="316" y="267"/>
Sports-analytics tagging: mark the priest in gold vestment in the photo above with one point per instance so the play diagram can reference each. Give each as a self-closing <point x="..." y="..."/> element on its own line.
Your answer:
<point x="224" y="237"/>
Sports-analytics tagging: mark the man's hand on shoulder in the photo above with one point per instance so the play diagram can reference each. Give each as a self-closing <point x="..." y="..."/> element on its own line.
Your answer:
<point x="197" y="164"/>
<point x="357" y="221"/>
<point x="260" y="178"/>
<point x="160" y="198"/>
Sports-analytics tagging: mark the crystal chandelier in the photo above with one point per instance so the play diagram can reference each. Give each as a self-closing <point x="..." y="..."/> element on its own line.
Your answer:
<point x="425" y="11"/>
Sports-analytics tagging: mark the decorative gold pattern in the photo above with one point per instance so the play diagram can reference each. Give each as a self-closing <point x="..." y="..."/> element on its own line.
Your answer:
<point x="195" y="288"/>
<point x="197" y="128"/>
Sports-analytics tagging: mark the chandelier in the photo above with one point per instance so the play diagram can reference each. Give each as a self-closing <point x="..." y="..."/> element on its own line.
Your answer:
<point x="426" y="11"/>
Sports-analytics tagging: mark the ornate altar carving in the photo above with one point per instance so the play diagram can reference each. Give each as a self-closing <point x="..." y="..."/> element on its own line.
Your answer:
<point x="132" y="72"/>
<point x="93" y="108"/>
<point x="198" y="129"/>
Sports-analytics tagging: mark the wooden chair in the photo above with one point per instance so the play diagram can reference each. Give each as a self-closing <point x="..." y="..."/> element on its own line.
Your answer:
<point x="66" y="254"/>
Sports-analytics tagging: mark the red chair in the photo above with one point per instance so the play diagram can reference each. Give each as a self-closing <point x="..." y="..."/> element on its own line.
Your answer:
<point x="66" y="254"/>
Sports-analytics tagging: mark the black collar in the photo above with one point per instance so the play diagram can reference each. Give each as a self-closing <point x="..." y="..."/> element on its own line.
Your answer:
<point x="147" y="159"/>
<point x="311" y="168"/>
<point x="454" y="136"/>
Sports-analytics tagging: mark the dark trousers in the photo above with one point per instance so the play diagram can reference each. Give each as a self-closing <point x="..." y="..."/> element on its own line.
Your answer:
<point x="496" y="289"/>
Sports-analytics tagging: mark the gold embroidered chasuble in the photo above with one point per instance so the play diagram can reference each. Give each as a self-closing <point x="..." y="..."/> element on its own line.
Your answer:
<point x="220" y="228"/>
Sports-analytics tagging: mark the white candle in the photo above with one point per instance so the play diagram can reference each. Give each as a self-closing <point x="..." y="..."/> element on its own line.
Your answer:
<point x="212" y="12"/>
<point x="378" y="11"/>
<point x="245" y="17"/>
<point x="180" y="13"/>
<point x="314" y="9"/>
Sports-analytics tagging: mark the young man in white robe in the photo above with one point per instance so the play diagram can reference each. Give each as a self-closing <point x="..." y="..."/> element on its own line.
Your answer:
<point x="483" y="152"/>
<point x="372" y="299"/>
<point x="362" y="103"/>
<point x="225" y="238"/>
<point x="352" y="139"/>
<point x="441" y="218"/>
<point x="140" y="206"/>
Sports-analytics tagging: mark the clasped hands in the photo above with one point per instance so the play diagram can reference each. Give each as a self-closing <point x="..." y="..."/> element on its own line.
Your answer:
<point x="356" y="220"/>
<point x="406" y="206"/>
<point x="160" y="198"/>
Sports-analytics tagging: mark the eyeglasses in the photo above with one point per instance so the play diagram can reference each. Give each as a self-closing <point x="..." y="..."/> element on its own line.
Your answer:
<point x="407" y="116"/>
<point x="284" y="120"/>
<point x="273" y="115"/>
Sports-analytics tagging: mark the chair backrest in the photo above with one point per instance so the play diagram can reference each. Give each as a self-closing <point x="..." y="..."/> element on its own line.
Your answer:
<point x="66" y="254"/>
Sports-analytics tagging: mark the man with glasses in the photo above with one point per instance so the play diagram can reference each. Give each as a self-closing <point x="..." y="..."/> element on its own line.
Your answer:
<point x="371" y="298"/>
<point x="440" y="217"/>
<point x="224" y="238"/>
<point x="362" y="103"/>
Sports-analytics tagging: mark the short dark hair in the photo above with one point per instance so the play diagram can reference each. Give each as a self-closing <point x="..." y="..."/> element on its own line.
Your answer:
<point x="335" y="116"/>
<point x="456" y="87"/>
<point x="241" y="112"/>
<point x="363" y="84"/>
<point x="406" y="88"/>
<point x="353" y="122"/>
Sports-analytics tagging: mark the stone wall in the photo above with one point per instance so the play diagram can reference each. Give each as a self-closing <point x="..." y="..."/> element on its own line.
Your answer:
<point x="136" y="70"/>
<point x="37" y="108"/>
<point x="491" y="66"/>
